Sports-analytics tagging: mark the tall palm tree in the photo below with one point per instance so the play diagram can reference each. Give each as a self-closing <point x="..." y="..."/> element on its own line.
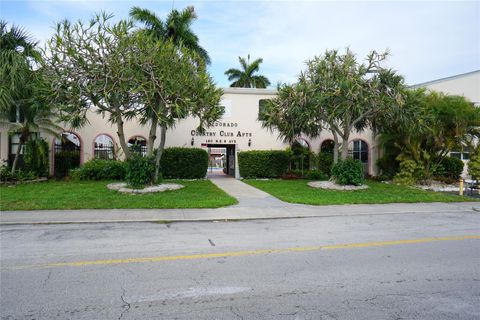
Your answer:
<point x="177" y="28"/>
<point x="21" y="88"/>
<point x="246" y="77"/>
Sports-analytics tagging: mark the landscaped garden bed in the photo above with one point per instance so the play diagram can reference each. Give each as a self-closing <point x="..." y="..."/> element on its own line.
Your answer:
<point x="297" y="191"/>
<point x="95" y="195"/>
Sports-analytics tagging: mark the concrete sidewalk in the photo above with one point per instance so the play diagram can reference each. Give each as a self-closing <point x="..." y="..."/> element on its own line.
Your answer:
<point x="229" y="213"/>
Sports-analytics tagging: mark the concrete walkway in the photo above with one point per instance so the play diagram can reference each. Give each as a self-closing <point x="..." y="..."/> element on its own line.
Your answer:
<point x="247" y="196"/>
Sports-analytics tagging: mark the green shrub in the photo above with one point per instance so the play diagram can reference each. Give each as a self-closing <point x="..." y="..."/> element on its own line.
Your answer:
<point x="100" y="169"/>
<point x="139" y="171"/>
<point x="316" y="175"/>
<point x="450" y="167"/>
<point x="409" y="173"/>
<point x="474" y="164"/>
<point x="263" y="164"/>
<point x="184" y="163"/>
<point x="388" y="166"/>
<point x="36" y="157"/>
<point x="6" y="175"/>
<point x="325" y="163"/>
<point x="349" y="172"/>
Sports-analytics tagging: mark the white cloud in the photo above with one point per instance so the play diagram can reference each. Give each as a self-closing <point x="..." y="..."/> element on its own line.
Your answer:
<point x="427" y="40"/>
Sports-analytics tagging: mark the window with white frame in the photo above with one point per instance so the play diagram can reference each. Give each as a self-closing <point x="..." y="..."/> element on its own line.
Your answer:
<point x="462" y="154"/>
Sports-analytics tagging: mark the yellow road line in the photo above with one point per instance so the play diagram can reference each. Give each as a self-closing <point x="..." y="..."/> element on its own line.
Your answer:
<point x="241" y="253"/>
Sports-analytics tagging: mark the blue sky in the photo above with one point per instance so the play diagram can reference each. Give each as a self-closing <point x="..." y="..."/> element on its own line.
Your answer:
<point x="427" y="39"/>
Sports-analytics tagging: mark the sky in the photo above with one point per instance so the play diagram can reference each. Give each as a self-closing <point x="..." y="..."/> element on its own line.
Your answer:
<point x="427" y="40"/>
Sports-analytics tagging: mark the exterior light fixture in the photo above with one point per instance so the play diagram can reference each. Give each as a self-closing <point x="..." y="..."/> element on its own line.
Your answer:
<point x="192" y="142"/>
<point x="249" y="142"/>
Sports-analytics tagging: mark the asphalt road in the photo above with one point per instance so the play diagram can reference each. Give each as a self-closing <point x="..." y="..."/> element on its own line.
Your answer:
<point x="395" y="266"/>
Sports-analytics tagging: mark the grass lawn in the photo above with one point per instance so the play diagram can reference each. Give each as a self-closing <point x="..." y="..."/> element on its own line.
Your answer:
<point x="297" y="191"/>
<point x="95" y="195"/>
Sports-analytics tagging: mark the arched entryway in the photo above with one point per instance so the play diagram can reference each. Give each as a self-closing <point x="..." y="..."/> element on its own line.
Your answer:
<point x="67" y="153"/>
<point x="300" y="155"/>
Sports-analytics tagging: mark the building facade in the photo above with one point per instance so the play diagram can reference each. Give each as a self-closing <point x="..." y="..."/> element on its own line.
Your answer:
<point x="238" y="130"/>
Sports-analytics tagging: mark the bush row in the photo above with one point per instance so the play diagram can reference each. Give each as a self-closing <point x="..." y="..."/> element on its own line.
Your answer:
<point x="184" y="163"/>
<point x="263" y="164"/>
<point x="176" y="163"/>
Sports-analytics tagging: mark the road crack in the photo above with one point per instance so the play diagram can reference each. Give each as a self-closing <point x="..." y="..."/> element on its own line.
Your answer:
<point x="48" y="278"/>
<point x="126" y="305"/>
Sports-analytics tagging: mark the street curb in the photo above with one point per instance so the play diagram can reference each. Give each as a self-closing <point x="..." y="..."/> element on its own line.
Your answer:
<point x="167" y="221"/>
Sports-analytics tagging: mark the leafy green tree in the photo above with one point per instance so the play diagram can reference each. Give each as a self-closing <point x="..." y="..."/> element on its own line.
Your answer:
<point x="177" y="30"/>
<point x="427" y="127"/>
<point x="23" y="109"/>
<point x="184" y="88"/>
<point x="125" y="74"/>
<point x="348" y="95"/>
<point x="246" y="77"/>
<point x="289" y="114"/>
<point x="335" y="93"/>
<point x="89" y="70"/>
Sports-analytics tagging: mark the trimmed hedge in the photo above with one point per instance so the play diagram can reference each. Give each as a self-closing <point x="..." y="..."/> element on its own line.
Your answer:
<point x="184" y="163"/>
<point x="100" y="169"/>
<point x="263" y="164"/>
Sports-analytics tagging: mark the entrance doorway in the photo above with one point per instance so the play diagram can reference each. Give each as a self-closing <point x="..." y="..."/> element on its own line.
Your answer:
<point x="221" y="159"/>
<point x="67" y="154"/>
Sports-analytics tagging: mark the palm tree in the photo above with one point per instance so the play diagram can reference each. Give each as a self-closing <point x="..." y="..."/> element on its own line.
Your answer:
<point x="21" y="87"/>
<point x="245" y="78"/>
<point x="17" y="53"/>
<point x="177" y="28"/>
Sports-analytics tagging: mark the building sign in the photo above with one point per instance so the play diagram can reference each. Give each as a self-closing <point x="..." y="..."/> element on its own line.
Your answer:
<point x="226" y="132"/>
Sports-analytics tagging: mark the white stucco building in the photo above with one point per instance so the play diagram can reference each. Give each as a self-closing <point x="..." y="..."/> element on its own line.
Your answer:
<point x="238" y="130"/>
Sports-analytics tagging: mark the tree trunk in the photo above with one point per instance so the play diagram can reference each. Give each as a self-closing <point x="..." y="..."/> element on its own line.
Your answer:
<point x="335" y="147"/>
<point x="152" y="135"/>
<point x="17" y="155"/>
<point x="345" y="147"/>
<point x="121" y="137"/>
<point x="158" y="157"/>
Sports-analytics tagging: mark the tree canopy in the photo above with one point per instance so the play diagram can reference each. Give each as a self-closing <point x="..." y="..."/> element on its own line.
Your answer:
<point x="111" y="69"/>
<point x="427" y="127"/>
<point x="335" y="93"/>
<point x="177" y="28"/>
<point x="23" y="108"/>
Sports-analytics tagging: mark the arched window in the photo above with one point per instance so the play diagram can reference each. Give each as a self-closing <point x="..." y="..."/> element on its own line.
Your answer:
<point x="262" y="105"/>
<point x="103" y="147"/>
<point x="138" y="144"/>
<point x="327" y="146"/>
<point x="358" y="149"/>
